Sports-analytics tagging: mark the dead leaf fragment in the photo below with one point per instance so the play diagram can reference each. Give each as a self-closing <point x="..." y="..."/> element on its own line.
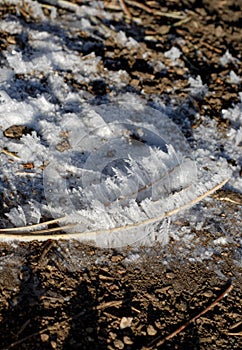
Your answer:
<point x="17" y="131"/>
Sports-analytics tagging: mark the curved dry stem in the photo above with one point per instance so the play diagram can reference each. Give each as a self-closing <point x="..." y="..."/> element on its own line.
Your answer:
<point x="23" y="228"/>
<point x="48" y="233"/>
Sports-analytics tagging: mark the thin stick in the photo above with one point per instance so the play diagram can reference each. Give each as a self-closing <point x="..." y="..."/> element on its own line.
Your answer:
<point x="227" y="199"/>
<point x="158" y="342"/>
<point x="176" y="15"/>
<point x="9" y="153"/>
<point x="47" y="246"/>
<point x="141" y="6"/>
<point x="54" y="229"/>
<point x="213" y="48"/>
<point x="67" y="5"/>
<point x="236" y="334"/>
<point x="112" y="303"/>
<point x="23" y="327"/>
<point x="234" y="327"/>
<point x="125" y="8"/>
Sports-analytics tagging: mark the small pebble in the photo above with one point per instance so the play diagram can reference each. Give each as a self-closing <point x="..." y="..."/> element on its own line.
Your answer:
<point x="151" y="330"/>
<point x="208" y="294"/>
<point x="170" y="275"/>
<point x="112" y="335"/>
<point x="116" y="258"/>
<point x="53" y="344"/>
<point x="118" y="344"/>
<point x="127" y="340"/>
<point x="125" y="322"/>
<point x="44" y="337"/>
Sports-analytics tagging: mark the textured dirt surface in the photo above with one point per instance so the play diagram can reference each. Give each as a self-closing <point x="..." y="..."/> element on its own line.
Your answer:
<point x="56" y="295"/>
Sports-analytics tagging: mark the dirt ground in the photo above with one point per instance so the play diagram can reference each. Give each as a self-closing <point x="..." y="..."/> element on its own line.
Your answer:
<point x="108" y="299"/>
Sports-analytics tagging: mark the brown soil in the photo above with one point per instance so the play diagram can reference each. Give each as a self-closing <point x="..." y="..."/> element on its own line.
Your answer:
<point x="56" y="295"/>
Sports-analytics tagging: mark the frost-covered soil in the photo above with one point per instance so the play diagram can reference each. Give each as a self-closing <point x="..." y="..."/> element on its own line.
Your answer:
<point x="80" y="87"/>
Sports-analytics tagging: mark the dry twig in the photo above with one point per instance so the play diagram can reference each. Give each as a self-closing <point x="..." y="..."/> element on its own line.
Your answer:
<point x="63" y="4"/>
<point x="125" y="8"/>
<point x="176" y="15"/>
<point x="9" y="153"/>
<point x="157" y="342"/>
<point x="141" y="6"/>
<point x="235" y="327"/>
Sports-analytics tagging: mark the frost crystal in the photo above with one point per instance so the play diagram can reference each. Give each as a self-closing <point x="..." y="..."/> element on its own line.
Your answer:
<point x="235" y="116"/>
<point x="196" y="87"/>
<point x="234" y="78"/>
<point x="17" y="216"/>
<point x="174" y="53"/>
<point x="228" y="58"/>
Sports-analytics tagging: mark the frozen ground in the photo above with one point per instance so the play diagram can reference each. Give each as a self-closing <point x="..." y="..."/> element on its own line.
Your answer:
<point x="112" y="125"/>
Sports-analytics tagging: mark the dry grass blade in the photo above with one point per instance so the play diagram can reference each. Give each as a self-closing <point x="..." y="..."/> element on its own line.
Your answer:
<point x="234" y="330"/>
<point x="235" y="334"/>
<point x="182" y="21"/>
<point x="50" y="230"/>
<point x="236" y="325"/>
<point x="67" y="5"/>
<point x="43" y="234"/>
<point x="9" y="153"/>
<point x="141" y="6"/>
<point x="31" y="227"/>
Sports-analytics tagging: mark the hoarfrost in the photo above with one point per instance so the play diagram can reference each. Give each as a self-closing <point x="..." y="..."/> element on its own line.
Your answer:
<point x="197" y="87"/>
<point x="6" y="74"/>
<point x="60" y="114"/>
<point x="234" y="114"/>
<point x="220" y="241"/>
<point x="228" y="58"/>
<point x="17" y="216"/>
<point x="234" y="78"/>
<point x="30" y="149"/>
<point x="158" y="66"/>
<point x="174" y="53"/>
<point x="126" y="42"/>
